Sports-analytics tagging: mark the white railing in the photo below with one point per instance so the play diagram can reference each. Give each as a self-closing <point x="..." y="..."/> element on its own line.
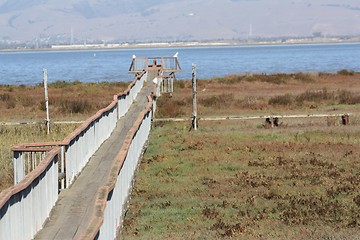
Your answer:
<point x="85" y="141"/>
<point x="112" y="197"/>
<point x="25" y="206"/>
<point x="27" y="162"/>
<point x="81" y="144"/>
<point x="167" y="64"/>
<point x="126" y="99"/>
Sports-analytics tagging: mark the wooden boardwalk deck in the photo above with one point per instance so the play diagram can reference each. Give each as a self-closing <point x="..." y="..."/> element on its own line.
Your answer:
<point x="72" y="213"/>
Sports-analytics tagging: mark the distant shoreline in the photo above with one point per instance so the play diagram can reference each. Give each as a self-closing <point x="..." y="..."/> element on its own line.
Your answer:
<point x="86" y="47"/>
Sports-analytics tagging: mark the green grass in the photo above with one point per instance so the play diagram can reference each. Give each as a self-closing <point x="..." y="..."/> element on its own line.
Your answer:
<point x="229" y="181"/>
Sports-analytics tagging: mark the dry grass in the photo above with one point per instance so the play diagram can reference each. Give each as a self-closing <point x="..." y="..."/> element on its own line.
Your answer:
<point x="279" y="78"/>
<point x="265" y="94"/>
<point x="68" y="101"/>
<point x="11" y="135"/>
<point x="241" y="180"/>
<point x="233" y="180"/>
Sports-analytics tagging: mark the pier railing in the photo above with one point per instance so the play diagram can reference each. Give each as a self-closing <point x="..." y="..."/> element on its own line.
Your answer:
<point x="111" y="201"/>
<point x="80" y="145"/>
<point x="25" y="206"/>
<point x="37" y="167"/>
<point x="166" y="64"/>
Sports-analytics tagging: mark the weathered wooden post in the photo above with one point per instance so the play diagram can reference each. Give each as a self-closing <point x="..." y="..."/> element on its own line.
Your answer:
<point x="194" y="120"/>
<point x="345" y="119"/>
<point x="46" y="101"/>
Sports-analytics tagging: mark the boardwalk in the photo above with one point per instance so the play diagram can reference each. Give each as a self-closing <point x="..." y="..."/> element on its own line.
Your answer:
<point x="71" y="215"/>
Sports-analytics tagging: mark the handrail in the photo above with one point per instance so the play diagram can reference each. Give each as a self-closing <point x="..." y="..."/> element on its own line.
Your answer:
<point x="31" y="196"/>
<point x="26" y="192"/>
<point x="46" y="146"/>
<point x="83" y="126"/>
<point x="166" y="64"/>
<point x="7" y="193"/>
<point x="103" y="193"/>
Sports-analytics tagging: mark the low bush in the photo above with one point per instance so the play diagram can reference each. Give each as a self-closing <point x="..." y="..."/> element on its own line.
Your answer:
<point x="279" y="78"/>
<point x="27" y="101"/>
<point x="64" y="84"/>
<point x="276" y="78"/>
<point x="76" y="106"/>
<point x="230" y="79"/>
<point x="347" y="97"/>
<point x="10" y="102"/>
<point x="312" y="96"/>
<point x="303" y="77"/>
<point x="345" y="72"/>
<point x="168" y="108"/>
<point x="5" y="97"/>
<point x="283" y="100"/>
<point x="179" y="84"/>
<point x="222" y="100"/>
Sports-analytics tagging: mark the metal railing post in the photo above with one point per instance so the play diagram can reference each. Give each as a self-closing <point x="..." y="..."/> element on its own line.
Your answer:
<point x="19" y="167"/>
<point x="62" y="162"/>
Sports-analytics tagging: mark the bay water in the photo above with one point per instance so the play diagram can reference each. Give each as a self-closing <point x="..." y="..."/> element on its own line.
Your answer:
<point x="25" y="68"/>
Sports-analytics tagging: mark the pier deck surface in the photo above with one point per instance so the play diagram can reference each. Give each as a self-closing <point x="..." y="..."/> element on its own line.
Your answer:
<point x="74" y="208"/>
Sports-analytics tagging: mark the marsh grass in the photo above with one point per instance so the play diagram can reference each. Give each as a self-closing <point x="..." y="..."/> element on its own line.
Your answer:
<point x="319" y="97"/>
<point x="66" y="99"/>
<point x="277" y="78"/>
<point x="255" y="94"/>
<point x="12" y="135"/>
<point x="227" y="181"/>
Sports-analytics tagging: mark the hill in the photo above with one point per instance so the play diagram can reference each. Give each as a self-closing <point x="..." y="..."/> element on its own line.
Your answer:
<point x="159" y="20"/>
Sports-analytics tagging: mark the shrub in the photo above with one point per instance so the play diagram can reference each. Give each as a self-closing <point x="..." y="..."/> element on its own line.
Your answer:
<point x="217" y="100"/>
<point x="9" y="101"/>
<point x="345" y="72"/>
<point x="5" y="97"/>
<point x="64" y="84"/>
<point x="284" y="100"/>
<point x="230" y="79"/>
<point x="313" y="96"/>
<point x="276" y="78"/>
<point x="347" y="97"/>
<point x="42" y="105"/>
<point x="303" y="77"/>
<point x="76" y="106"/>
<point x="279" y="78"/>
<point x="27" y="101"/>
<point x="179" y="84"/>
<point x="168" y="108"/>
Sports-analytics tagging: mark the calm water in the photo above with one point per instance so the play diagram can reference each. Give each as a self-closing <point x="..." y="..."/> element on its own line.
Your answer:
<point x="112" y="65"/>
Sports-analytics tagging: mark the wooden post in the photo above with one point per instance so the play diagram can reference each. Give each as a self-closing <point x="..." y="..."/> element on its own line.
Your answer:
<point x="46" y="101"/>
<point x="194" y="121"/>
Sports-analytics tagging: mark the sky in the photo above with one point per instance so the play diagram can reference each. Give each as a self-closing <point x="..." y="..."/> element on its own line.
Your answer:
<point x="175" y="20"/>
